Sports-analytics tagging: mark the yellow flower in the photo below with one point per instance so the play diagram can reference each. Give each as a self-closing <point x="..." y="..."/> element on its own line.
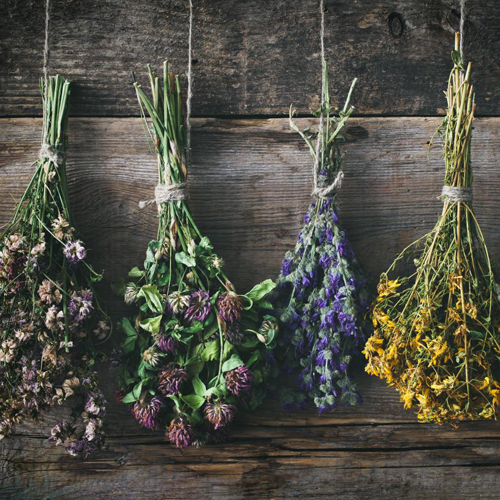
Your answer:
<point x="373" y="344"/>
<point x="386" y="289"/>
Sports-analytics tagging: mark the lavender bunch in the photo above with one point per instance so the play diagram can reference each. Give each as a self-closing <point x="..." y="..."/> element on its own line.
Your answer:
<point x="50" y="319"/>
<point x="321" y="284"/>
<point x="196" y="353"/>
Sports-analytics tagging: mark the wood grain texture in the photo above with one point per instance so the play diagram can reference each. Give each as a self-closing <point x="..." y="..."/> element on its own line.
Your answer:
<point x="250" y="58"/>
<point x="250" y="185"/>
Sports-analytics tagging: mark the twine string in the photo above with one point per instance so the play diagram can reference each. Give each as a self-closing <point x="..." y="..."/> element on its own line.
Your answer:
<point x="189" y="82"/>
<point x="463" y="14"/>
<point x="456" y="194"/>
<point x="46" y="55"/>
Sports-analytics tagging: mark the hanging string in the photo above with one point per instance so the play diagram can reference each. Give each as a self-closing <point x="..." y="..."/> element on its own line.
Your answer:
<point x="46" y="55"/>
<point x="190" y="82"/>
<point x="319" y="141"/>
<point x="462" y="27"/>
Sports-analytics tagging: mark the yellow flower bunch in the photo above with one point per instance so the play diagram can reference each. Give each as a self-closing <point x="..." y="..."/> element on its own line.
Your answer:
<point x="436" y="332"/>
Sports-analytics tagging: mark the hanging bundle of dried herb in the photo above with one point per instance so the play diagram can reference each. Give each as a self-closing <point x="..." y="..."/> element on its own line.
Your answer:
<point x="196" y="353"/>
<point x="50" y="319"/>
<point x="321" y="285"/>
<point x="436" y="337"/>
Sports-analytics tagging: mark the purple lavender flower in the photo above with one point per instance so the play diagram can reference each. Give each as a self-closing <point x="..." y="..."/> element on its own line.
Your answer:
<point x="219" y="414"/>
<point x="148" y="413"/>
<point x="199" y="306"/>
<point x="80" y="306"/>
<point x="168" y="345"/>
<point x="171" y="379"/>
<point x="75" y="251"/>
<point x="239" y="381"/>
<point x="180" y="433"/>
<point x="286" y="267"/>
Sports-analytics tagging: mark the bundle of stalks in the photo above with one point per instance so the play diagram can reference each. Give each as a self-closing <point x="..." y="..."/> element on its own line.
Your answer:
<point x="436" y="337"/>
<point x="322" y="289"/>
<point x="50" y="318"/>
<point x="196" y="353"/>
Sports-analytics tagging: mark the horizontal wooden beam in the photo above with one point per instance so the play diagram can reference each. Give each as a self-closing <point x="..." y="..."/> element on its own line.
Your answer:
<point x="250" y="185"/>
<point x="252" y="57"/>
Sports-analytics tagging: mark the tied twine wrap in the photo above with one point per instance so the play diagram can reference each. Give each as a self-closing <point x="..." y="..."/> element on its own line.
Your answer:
<point x="48" y="152"/>
<point x="456" y="194"/>
<point x="165" y="193"/>
<point x="330" y="191"/>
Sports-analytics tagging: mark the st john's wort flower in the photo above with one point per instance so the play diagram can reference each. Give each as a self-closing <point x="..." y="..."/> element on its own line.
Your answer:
<point x="199" y="306"/>
<point x="239" y="380"/>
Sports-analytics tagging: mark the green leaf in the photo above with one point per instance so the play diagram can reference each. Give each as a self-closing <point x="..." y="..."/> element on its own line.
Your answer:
<point x="118" y="287"/>
<point x="136" y="391"/>
<point x="227" y="349"/>
<point x="253" y="359"/>
<point x="128" y="345"/>
<point x="129" y="398"/>
<point x="211" y="351"/>
<point x="233" y="362"/>
<point x="184" y="258"/>
<point x="196" y="327"/>
<point x="127" y="327"/>
<point x="199" y="387"/>
<point x="265" y="305"/>
<point x="136" y="273"/>
<point x="457" y="59"/>
<point x="261" y="290"/>
<point x="193" y="401"/>
<point x="151" y="325"/>
<point x="152" y="296"/>
<point x="195" y="368"/>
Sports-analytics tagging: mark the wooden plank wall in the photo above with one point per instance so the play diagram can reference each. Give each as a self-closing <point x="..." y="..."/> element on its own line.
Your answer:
<point x="251" y="182"/>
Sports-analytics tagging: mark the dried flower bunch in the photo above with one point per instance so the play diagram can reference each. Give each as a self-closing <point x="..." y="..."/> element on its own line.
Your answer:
<point x="196" y="353"/>
<point x="50" y="318"/>
<point x="436" y="337"/>
<point x="321" y="285"/>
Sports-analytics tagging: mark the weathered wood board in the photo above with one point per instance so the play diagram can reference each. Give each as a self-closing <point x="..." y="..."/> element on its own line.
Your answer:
<point x="252" y="57"/>
<point x="250" y="185"/>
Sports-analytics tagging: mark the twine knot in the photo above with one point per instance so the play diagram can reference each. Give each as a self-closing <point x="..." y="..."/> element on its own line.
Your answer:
<point x="52" y="154"/>
<point x="165" y="193"/>
<point x="330" y="191"/>
<point x="456" y="194"/>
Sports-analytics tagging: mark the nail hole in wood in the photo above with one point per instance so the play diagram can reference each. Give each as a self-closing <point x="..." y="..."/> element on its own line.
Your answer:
<point x="396" y="24"/>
